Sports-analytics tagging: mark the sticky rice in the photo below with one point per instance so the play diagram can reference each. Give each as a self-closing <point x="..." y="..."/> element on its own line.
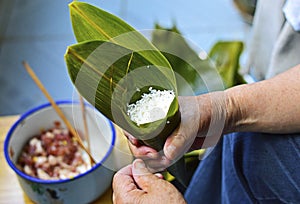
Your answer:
<point x="151" y="107"/>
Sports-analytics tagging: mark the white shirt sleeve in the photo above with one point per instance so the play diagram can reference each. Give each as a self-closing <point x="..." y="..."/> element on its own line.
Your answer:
<point x="291" y="10"/>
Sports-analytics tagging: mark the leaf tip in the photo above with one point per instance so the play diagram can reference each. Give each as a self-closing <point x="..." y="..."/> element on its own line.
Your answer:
<point x="72" y="4"/>
<point x="67" y="50"/>
<point x="75" y="4"/>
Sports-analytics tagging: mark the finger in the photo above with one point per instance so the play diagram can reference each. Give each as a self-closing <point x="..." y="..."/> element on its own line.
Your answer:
<point x="123" y="181"/>
<point x="158" y="165"/>
<point x="127" y="170"/>
<point x="159" y="175"/>
<point x="114" y="197"/>
<point x="176" y="145"/>
<point x="142" y="176"/>
<point x="139" y="149"/>
<point x="125" y="189"/>
<point x="143" y="152"/>
<point x="130" y="197"/>
<point x="132" y="139"/>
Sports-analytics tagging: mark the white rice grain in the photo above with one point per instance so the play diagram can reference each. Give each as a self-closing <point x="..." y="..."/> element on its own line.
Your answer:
<point x="151" y="107"/>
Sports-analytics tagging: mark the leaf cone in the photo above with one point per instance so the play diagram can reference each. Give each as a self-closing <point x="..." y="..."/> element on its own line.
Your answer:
<point x="113" y="65"/>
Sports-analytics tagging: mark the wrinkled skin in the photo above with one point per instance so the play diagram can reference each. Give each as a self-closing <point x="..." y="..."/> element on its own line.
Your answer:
<point x="136" y="184"/>
<point x="194" y="131"/>
<point x="264" y="106"/>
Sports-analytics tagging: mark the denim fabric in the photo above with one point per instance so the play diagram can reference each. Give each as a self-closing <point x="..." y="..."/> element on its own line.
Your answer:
<point x="249" y="168"/>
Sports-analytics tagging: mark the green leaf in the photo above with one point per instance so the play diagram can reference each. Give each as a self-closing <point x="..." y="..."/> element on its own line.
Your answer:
<point x="110" y="76"/>
<point x="194" y="76"/>
<point x="226" y="55"/>
<point x="92" y="23"/>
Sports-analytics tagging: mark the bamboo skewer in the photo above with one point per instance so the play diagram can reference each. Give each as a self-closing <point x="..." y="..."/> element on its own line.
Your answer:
<point x="57" y="109"/>
<point x="86" y="131"/>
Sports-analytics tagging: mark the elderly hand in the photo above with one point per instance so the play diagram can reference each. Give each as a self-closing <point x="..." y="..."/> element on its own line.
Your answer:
<point x="198" y="114"/>
<point x="135" y="184"/>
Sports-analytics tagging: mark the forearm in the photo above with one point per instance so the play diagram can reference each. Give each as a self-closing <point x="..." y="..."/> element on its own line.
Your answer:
<point x="270" y="106"/>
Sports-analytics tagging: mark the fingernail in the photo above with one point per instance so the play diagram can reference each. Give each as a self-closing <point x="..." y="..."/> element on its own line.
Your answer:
<point x="139" y="164"/>
<point x="151" y="155"/>
<point x="159" y="175"/>
<point x="139" y="168"/>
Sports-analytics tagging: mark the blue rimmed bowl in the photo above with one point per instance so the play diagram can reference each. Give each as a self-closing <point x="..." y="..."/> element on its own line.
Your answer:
<point x="85" y="187"/>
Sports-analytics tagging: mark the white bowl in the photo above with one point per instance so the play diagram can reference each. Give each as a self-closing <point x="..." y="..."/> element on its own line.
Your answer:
<point x="83" y="188"/>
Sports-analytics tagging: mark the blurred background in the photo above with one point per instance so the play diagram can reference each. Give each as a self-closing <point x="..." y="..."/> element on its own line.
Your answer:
<point x="40" y="31"/>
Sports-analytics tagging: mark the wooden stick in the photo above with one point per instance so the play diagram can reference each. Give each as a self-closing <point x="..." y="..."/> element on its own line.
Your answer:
<point x="86" y="131"/>
<point x="57" y="109"/>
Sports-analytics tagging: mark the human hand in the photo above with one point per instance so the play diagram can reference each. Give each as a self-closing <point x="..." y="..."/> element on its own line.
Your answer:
<point x="203" y="119"/>
<point x="198" y="114"/>
<point x="135" y="184"/>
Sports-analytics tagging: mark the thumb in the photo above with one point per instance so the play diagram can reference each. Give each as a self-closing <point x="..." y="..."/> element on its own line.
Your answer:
<point x="175" y="146"/>
<point x="142" y="176"/>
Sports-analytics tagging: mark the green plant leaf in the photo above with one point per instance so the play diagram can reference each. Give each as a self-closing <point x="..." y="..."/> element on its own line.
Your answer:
<point x="110" y="76"/>
<point x="223" y="56"/>
<point x="92" y="23"/>
<point x="226" y="55"/>
<point x="194" y="75"/>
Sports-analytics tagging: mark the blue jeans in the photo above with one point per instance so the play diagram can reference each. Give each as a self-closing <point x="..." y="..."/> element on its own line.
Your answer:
<point x="249" y="168"/>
